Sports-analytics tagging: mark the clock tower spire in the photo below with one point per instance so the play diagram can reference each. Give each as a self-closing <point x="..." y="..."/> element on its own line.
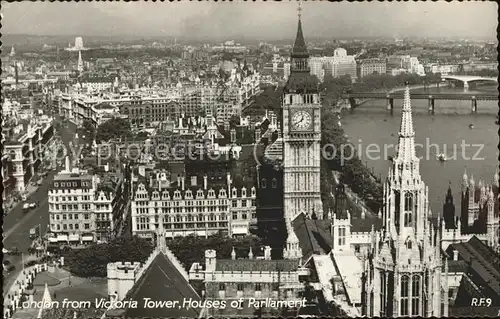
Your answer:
<point x="301" y="135"/>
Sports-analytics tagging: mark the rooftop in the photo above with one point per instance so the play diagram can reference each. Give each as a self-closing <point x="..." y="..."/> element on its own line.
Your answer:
<point x="256" y="265"/>
<point x="162" y="281"/>
<point x="483" y="261"/>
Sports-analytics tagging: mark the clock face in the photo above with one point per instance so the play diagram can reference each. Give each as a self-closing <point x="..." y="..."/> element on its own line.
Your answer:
<point x="301" y="120"/>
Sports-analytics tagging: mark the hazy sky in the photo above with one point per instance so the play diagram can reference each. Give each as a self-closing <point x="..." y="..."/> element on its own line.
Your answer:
<point x="251" y="19"/>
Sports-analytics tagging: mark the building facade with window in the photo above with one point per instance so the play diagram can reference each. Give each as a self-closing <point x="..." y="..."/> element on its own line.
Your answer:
<point x="197" y="205"/>
<point x="86" y="208"/>
<point x="253" y="276"/>
<point x="371" y="66"/>
<point x="24" y="149"/>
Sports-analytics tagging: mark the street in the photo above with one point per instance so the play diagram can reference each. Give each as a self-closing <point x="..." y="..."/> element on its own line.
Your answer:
<point x="17" y="223"/>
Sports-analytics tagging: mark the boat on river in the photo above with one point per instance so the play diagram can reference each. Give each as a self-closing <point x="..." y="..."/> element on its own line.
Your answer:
<point x="442" y="157"/>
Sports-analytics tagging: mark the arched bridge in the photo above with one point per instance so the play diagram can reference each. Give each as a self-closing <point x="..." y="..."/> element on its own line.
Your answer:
<point x="468" y="78"/>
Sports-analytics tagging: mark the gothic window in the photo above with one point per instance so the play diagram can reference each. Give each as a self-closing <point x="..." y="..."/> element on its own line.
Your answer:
<point x="383" y="293"/>
<point x="408" y="209"/>
<point x="263" y="183"/>
<point x="397" y="197"/>
<point x="240" y="287"/>
<point x="222" y="286"/>
<point x="415" y="296"/>
<point x="404" y="295"/>
<point x="274" y="183"/>
<point x="408" y="244"/>
<point x="341" y="236"/>
<point x="408" y="201"/>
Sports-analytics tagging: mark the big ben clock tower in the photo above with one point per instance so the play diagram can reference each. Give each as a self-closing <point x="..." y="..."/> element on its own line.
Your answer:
<point x="301" y="136"/>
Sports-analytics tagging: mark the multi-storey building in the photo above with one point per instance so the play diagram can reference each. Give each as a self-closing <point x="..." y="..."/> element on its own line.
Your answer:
<point x="371" y="66"/>
<point x="85" y="208"/>
<point x="317" y="67"/>
<point x="24" y="149"/>
<point x="341" y="64"/>
<point x="95" y="83"/>
<point x="403" y="272"/>
<point x="199" y="205"/>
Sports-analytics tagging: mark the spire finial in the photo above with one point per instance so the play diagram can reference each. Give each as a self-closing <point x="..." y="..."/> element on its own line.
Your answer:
<point x="299" y="10"/>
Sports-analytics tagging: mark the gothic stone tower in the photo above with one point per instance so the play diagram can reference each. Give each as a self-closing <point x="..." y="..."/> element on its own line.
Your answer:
<point x="301" y="136"/>
<point x="403" y="270"/>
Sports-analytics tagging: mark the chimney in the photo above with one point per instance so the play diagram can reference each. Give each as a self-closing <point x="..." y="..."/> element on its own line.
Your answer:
<point x="179" y="180"/>
<point x="233" y="136"/>
<point x="233" y="254"/>
<point x="193" y="181"/>
<point x="227" y="127"/>
<point x="257" y="135"/>
<point x="183" y="182"/>
<point x="66" y="164"/>
<point x="363" y="214"/>
<point x="267" y="253"/>
<point x="205" y="182"/>
<point x="250" y="254"/>
<point x="455" y="255"/>
<point x="142" y="170"/>
<point x="228" y="178"/>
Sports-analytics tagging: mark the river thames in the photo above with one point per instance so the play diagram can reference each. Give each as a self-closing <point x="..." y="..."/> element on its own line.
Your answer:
<point x="447" y="131"/>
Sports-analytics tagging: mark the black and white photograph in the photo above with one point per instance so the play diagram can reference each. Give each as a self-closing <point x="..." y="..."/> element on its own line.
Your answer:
<point x="250" y="159"/>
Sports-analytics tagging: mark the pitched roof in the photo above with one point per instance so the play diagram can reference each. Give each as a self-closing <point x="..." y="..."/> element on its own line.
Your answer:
<point x="256" y="265"/>
<point x="162" y="281"/>
<point x="482" y="260"/>
<point x="299" y="47"/>
<point x="313" y="236"/>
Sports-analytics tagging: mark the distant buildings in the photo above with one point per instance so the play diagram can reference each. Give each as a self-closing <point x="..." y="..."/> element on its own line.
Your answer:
<point x="341" y="64"/>
<point x="371" y="66"/>
<point x="479" y="214"/>
<point x="317" y="67"/>
<point x="229" y="46"/>
<point x="78" y="45"/>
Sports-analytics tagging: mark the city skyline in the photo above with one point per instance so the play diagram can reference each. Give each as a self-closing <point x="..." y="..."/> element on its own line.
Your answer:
<point x="251" y="21"/>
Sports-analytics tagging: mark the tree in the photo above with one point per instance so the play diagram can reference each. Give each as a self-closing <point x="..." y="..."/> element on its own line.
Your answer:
<point x="191" y="249"/>
<point x="92" y="261"/>
<point x="234" y="121"/>
<point x="309" y="294"/>
<point x="113" y="128"/>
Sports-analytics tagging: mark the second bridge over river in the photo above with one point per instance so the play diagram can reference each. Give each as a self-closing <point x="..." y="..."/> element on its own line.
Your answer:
<point x="351" y="97"/>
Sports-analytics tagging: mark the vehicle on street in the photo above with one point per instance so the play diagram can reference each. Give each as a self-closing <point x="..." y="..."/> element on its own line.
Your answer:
<point x="29" y="206"/>
<point x="34" y="232"/>
<point x="8" y="266"/>
<point x="5" y="251"/>
<point x="13" y="252"/>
